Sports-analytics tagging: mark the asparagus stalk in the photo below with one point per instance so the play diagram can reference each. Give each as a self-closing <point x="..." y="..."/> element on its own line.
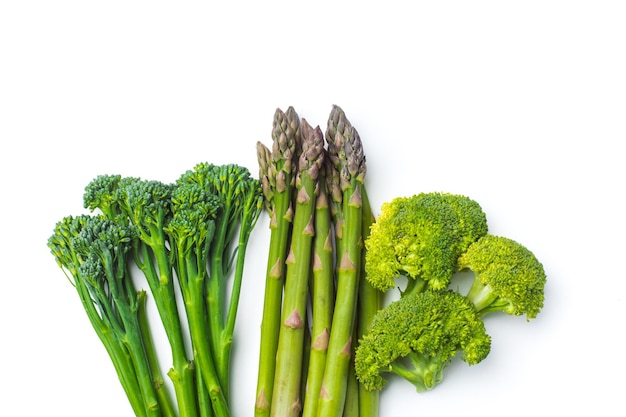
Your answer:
<point x="346" y="152"/>
<point x="322" y="296"/>
<point x="286" y="399"/>
<point x="369" y="302"/>
<point x="277" y="172"/>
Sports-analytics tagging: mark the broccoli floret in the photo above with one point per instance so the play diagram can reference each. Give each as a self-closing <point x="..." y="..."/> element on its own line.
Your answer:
<point x="192" y="224"/>
<point x="507" y="277"/>
<point x="239" y="200"/>
<point x="417" y="336"/>
<point x="422" y="237"/>
<point x="60" y="244"/>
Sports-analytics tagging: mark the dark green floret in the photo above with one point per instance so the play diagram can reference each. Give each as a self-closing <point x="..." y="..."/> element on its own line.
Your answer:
<point x="421" y="237"/>
<point x="417" y="336"/>
<point x="507" y="277"/>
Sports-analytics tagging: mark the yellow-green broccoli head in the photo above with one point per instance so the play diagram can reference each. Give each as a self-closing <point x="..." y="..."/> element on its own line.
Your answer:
<point x="422" y="237"/>
<point x="417" y="336"/>
<point x="508" y="276"/>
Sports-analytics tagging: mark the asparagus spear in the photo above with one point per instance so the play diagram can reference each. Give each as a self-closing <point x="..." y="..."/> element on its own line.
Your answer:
<point x="286" y="399"/>
<point x="369" y="302"/>
<point x="322" y="295"/>
<point x="277" y="172"/>
<point x="346" y="152"/>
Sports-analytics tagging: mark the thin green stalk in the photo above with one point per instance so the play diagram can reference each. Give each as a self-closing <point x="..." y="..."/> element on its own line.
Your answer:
<point x="332" y="396"/>
<point x="251" y="211"/>
<point x="205" y="407"/>
<point x="286" y="401"/>
<point x="126" y="305"/>
<point x="116" y="349"/>
<point x="191" y="252"/>
<point x="351" y="404"/>
<point x="346" y="152"/>
<point x="322" y="299"/>
<point x="201" y="346"/>
<point x="277" y="173"/>
<point x="154" y="263"/>
<point x="165" y="401"/>
<point x="369" y="303"/>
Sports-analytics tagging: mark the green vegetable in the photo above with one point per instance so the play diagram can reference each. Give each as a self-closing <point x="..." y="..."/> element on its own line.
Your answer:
<point x="241" y="201"/>
<point x="417" y="336"/>
<point x="146" y="204"/>
<point x="345" y="151"/>
<point x="190" y="236"/>
<point x="286" y="399"/>
<point x="508" y="277"/>
<point x="277" y="171"/>
<point x="322" y="295"/>
<point x="321" y="221"/>
<point x="421" y="237"/>
<point x="93" y="251"/>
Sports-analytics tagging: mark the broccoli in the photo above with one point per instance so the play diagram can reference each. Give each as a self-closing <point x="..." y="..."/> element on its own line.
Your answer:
<point x="507" y="277"/>
<point x="193" y="232"/>
<point x="146" y="204"/>
<point x="94" y="251"/>
<point x="417" y="336"/>
<point x="240" y="200"/>
<point x="421" y="237"/>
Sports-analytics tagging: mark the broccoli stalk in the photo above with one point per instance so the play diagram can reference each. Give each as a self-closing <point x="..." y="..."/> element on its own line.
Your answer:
<point x="507" y="277"/>
<point x="286" y="399"/>
<point x="190" y="232"/>
<point x="277" y="173"/>
<point x="69" y="260"/>
<point x="345" y="150"/>
<point x="94" y="250"/>
<point x="146" y="204"/>
<point x="240" y="199"/>
<point x="417" y="336"/>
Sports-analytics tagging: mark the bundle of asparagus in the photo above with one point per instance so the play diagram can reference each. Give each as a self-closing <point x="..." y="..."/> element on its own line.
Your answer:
<point x="317" y="302"/>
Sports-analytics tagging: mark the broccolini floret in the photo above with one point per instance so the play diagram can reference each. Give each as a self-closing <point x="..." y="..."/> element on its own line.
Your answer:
<point x="507" y="277"/>
<point x="146" y="204"/>
<point x="94" y="251"/>
<point x="421" y="237"/>
<point x="240" y="204"/>
<point x="417" y="336"/>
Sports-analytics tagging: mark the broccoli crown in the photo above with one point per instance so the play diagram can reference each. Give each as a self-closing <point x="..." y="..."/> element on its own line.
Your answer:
<point x="422" y="237"/>
<point x="147" y="203"/>
<point x="193" y="214"/>
<point x="100" y="193"/>
<point x="508" y="276"/>
<point x="240" y="195"/>
<point x="106" y="238"/>
<point x="60" y="242"/>
<point x="417" y="336"/>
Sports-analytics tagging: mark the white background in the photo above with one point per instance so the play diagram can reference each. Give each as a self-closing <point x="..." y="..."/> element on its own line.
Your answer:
<point x="519" y="105"/>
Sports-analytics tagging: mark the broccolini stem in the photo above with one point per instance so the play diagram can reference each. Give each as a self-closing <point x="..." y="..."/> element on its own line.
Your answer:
<point x="250" y="215"/>
<point x="159" y="279"/>
<point x="127" y="307"/>
<point x="346" y="152"/>
<point x="322" y="297"/>
<point x="277" y="172"/>
<point x="286" y="399"/>
<point x="165" y="401"/>
<point x="204" y="358"/>
<point x="192" y="273"/>
<point x="205" y="408"/>
<point x="117" y="351"/>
